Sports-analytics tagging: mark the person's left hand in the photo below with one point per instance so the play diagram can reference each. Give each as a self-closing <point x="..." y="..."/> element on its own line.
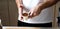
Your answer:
<point x="34" y="12"/>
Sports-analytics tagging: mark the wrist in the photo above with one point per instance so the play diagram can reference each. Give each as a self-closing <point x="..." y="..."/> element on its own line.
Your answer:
<point x="38" y="8"/>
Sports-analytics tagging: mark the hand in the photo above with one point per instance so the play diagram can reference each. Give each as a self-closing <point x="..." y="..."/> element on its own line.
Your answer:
<point x="22" y="8"/>
<point x="34" y="12"/>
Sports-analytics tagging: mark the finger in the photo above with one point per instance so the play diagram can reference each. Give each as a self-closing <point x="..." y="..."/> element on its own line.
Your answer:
<point x="31" y="12"/>
<point x="34" y="14"/>
<point x="31" y="16"/>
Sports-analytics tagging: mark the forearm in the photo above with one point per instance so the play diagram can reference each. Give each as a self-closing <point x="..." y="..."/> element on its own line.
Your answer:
<point x="46" y="4"/>
<point x="18" y="6"/>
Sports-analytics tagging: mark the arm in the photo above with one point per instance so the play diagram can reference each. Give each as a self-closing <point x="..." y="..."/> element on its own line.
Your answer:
<point x="20" y="7"/>
<point x="46" y="4"/>
<point x="41" y="6"/>
<point x="19" y="3"/>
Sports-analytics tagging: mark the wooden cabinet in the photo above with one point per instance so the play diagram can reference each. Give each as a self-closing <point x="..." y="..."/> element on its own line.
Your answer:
<point x="4" y="14"/>
<point x="8" y="12"/>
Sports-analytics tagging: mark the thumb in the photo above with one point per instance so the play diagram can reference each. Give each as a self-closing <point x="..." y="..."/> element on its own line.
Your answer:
<point x="30" y="13"/>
